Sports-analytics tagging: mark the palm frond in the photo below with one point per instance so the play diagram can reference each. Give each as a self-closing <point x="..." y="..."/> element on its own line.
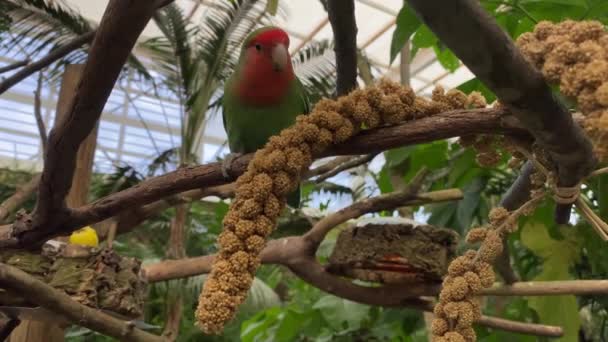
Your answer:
<point x="173" y="51"/>
<point x="39" y="26"/>
<point x="316" y="68"/>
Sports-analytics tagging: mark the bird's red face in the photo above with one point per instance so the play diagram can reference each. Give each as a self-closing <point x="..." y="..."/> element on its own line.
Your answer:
<point x="269" y="49"/>
<point x="267" y="70"/>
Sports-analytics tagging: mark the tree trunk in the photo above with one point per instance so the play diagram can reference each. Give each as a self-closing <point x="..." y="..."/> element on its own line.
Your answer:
<point x="176" y="250"/>
<point x="34" y="331"/>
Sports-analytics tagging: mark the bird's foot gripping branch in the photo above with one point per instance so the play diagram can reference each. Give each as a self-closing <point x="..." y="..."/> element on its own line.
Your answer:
<point x="276" y="170"/>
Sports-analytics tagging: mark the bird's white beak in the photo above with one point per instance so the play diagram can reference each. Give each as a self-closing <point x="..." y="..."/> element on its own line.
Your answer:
<point x="280" y="57"/>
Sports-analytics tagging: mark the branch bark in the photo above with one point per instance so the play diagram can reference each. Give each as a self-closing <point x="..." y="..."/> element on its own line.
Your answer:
<point x="475" y="37"/>
<point x="14" y="66"/>
<point x="341" y="15"/>
<point x="550" y="288"/>
<point x="436" y="127"/>
<point x="22" y="194"/>
<point x="120" y="26"/>
<point x="44" y="295"/>
<point x="345" y="166"/>
<point x="38" y="113"/>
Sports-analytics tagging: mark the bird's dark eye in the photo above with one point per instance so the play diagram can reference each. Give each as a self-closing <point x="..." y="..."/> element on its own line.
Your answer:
<point x="258" y="47"/>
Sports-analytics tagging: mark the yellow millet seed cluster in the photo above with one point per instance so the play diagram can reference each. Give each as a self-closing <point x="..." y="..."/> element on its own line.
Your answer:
<point x="275" y="171"/>
<point x="575" y="56"/>
<point x="468" y="275"/>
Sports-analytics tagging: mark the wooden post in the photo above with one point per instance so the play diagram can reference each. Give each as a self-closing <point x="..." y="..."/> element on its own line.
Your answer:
<point x="34" y="331"/>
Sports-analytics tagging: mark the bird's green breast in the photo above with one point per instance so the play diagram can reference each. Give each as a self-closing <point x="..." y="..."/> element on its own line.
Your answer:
<point x="250" y="126"/>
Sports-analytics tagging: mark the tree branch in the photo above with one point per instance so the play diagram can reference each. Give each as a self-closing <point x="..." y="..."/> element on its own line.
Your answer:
<point x="521" y="327"/>
<point x="47" y="60"/>
<point x="23" y="193"/>
<point x="38" y="113"/>
<point x="436" y="127"/>
<point x="54" y="56"/>
<point x="494" y="59"/>
<point x="550" y="288"/>
<point x="315" y="236"/>
<point x="44" y="295"/>
<point x="341" y="15"/>
<point x="14" y="66"/>
<point x="518" y="194"/>
<point x="120" y="26"/>
<point x="354" y="162"/>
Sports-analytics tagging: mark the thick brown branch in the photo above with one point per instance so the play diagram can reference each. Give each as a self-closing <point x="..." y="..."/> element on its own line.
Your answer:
<point x="22" y="194"/>
<point x="436" y="127"/>
<point x="494" y="59"/>
<point x="44" y="295"/>
<point x="120" y="26"/>
<point x="47" y="60"/>
<point x="130" y="219"/>
<point x="341" y="15"/>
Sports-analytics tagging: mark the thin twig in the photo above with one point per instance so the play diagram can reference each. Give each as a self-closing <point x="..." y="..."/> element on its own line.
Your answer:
<point x="38" y="113"/>
<point x="23" y="193"/>
<point x="521" y="327"/>
<point x="598" y="172"/>
<point x="47" y="60"/>
<point x="345" y="166"/>
<point x="384" y="202"/>
<point x="55" y="55"/>
<point x="14" y="66"/>
<point x="550" y="288"/>
<point x="327" y="166"/>
<point x="46" y="296"/>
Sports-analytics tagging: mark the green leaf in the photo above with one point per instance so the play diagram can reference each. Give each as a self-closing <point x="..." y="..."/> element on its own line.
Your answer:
<point x="580" y="3"/>
<point x="290" y="326"/>
<point x="476" y="85"/>
<point x="424" y="38"/>
<point x="383" y="180"/>
<point x="446" y="58"/>
<point x="407" y="24"/>
<point x="548" y="10"/>
<point x="558" y="256"/>
<point x="599" y="186"/>
<point x="469" y="204"/>
<point x="397" y="156"/>
<point x="272" y="6"/>
<point x="339" y="312"/>
<point x="260" y="297"/>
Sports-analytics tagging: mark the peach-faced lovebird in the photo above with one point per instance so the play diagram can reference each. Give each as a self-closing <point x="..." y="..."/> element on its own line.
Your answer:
<point x="263" y="96"/>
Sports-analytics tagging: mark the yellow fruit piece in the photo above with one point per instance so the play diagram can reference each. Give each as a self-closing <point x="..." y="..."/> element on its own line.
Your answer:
<point x="86" y="236"/>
